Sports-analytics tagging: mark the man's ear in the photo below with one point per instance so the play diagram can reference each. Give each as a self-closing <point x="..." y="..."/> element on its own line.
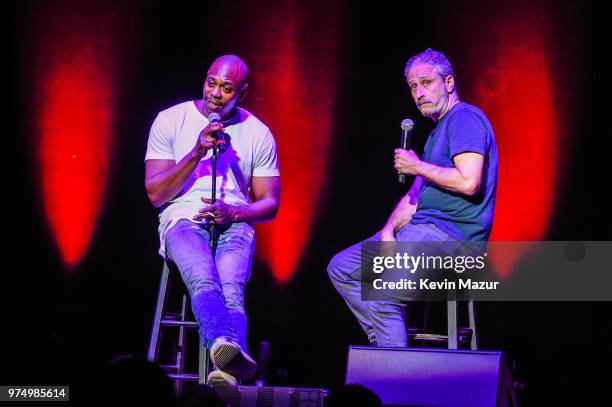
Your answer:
<point x="243" y="91"/>
<point x="450" y="84"/>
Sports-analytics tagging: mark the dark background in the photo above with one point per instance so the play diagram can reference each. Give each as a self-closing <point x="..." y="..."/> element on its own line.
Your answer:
<point x="61" y="324"/>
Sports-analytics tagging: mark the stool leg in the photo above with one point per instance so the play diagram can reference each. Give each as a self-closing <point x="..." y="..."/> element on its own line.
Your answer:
<point x="181" y="347"/>
<point x="181" y="319"/>
<point x="453" y="338"/>
<point x="425" y="321"/>
<point x="472" y="316"/>
<point x="153" y="352"/>
<point x="204" y="364"/>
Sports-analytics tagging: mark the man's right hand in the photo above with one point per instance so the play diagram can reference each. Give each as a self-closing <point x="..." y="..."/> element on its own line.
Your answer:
<point x="206" y="139"/>
<point x="386" y="234"/>
<point x="387" y="242"/>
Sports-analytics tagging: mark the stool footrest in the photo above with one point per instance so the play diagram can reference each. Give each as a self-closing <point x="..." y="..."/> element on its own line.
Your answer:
<point x="461" y="329"/>
<point x="187" y="324"/>
<point x="185" y="376"/>
<point x="434" y="337"/>
<point x="169" y="368"/>
<point x="172" y="315"/>
<point x="429" y="337"/>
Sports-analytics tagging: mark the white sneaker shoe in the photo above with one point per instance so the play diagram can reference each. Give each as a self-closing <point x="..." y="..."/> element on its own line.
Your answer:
<point x="219" y="378"/>
<point x="229" y="357"/>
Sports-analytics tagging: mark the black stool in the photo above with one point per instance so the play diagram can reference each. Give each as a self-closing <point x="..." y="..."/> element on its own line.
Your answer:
<point x="183" y="322"/>
<point x="455" y="334"/>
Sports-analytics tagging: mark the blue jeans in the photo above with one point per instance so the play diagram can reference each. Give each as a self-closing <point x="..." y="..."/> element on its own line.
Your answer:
<point x="382" y="321"/>
<point x="216" y="285"/>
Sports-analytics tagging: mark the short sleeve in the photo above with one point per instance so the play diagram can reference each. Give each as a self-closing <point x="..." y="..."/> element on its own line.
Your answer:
<point x="467" y="133"/>
<point x="160" y="145"/>
<point x="266" y="158"/>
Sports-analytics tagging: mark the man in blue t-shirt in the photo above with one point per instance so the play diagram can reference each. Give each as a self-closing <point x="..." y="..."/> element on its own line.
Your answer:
<point x="451" y="199"/>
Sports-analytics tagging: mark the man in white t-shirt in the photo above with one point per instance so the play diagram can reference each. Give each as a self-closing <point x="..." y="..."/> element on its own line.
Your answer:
<point x="178" y="180"/>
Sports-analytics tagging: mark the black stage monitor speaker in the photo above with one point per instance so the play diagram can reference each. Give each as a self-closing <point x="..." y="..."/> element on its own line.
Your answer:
<point x="254" y="396"/>
<point x="432" y="377"/>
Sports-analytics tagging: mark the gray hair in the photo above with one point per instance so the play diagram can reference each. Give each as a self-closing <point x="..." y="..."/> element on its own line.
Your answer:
<point x="432" y="57"/>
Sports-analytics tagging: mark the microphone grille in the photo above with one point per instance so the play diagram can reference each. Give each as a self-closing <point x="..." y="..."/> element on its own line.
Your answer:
<point x="407" y="124"/>
<point x="214" y="117"/>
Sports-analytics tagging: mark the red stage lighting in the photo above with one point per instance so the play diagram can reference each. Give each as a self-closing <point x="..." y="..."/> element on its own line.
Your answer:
<point x="293" y="92"/>
<point x="73" y="81"/>
<point x="516" y="92"/>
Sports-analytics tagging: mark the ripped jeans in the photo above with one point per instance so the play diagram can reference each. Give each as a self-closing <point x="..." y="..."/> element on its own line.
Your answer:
<point x="216" y="285"/>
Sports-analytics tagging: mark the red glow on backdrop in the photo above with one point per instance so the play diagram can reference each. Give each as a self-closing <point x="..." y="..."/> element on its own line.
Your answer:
<point x="299" y="115"/>
<point x="516" y="94"/>
<point x="73" y="82"/>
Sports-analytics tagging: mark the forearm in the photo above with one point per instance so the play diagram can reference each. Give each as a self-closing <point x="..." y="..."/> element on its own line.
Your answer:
<point x="261" y="210"/>
<point x="266" y="199"/>
<point x="165" y="185"/>
<point x="450" y="179"/>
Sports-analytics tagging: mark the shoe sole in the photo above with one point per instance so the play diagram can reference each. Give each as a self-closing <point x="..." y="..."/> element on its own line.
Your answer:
<point x="221" y="385"/>
<point x="231" y="360"/>
<point x="220" y="381"/>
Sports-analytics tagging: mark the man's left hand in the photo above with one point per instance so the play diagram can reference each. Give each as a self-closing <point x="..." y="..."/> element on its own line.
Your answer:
<point x="406" y="161"/>
<point x="217" y="213"/>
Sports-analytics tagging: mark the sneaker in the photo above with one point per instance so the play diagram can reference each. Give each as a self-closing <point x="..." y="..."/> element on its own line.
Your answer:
<point x="229" y="357"/>
<point x="219" y="378"/>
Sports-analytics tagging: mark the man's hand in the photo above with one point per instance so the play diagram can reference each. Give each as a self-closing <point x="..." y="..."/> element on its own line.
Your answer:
<point x="218" y="213"/>
<point x="206" y="139"/>
<point x="406" y="161"/>
<point x="386" y="234"/>
<point x="387" y="242"/>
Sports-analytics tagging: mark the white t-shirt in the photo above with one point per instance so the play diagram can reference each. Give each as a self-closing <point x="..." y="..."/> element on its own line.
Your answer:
<point x="251" y="152"/>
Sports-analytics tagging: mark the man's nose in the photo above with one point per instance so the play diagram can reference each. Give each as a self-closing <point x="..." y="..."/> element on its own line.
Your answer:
<point x="419" y="93"/>
<point x="216" y="92"/>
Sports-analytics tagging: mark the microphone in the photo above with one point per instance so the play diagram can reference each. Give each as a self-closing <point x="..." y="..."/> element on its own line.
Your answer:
<point x="407" y="126"/>
<point x="219" y="137"/>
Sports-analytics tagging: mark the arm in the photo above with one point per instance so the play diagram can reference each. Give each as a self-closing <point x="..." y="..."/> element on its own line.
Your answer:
<point x="165" y="178"/>
<point x="464" y="178"/>
<point x="403" y="211"/>
<point x="266" y="191"/>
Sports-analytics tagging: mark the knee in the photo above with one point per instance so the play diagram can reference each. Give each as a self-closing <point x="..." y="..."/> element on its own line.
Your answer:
<point x="234" y="296"/>
<point x="345" y="265"/>
<point x="203" y="286"/>
<point x="332" y="266"/>
<point x="234" y="302"/>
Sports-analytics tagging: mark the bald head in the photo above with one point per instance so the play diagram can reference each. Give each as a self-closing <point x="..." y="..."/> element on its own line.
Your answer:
<point x="230" y="67"/>
<point x="225" y="85"/>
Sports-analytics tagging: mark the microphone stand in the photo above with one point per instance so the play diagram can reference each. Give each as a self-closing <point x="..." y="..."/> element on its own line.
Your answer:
<point x="212" y="229"/>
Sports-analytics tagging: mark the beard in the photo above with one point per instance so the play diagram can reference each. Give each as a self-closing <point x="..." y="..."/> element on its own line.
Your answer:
<point x="427" y="110"/>
<point x="434" y="108"/>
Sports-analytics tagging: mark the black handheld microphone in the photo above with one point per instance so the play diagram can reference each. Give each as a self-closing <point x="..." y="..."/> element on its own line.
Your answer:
<point x="407" y="126"/>
<point x="219" y="137"/>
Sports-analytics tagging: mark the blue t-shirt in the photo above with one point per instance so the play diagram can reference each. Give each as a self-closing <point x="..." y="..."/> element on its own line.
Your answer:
<point x="464" y="128"/>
